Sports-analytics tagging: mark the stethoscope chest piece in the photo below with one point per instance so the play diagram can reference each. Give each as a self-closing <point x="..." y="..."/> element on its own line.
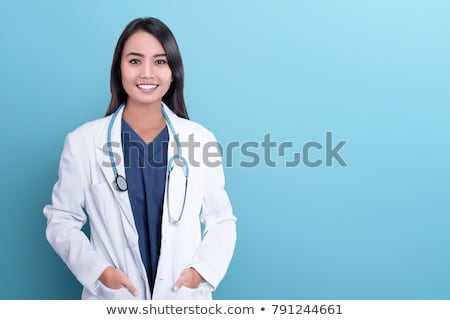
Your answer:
<point x="121" y="183"/>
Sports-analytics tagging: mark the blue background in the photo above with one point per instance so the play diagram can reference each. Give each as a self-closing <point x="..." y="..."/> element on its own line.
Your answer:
<point x="374" y="73"/>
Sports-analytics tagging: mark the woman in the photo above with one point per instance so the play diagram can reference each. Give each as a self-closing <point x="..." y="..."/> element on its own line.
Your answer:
<point x="128" y="174"/>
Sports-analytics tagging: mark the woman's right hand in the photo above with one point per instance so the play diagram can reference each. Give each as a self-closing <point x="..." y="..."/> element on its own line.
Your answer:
<point x="115" y="279"/>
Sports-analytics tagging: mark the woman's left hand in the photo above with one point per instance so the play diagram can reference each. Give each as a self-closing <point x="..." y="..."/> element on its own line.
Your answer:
<point x="189" y="278"/>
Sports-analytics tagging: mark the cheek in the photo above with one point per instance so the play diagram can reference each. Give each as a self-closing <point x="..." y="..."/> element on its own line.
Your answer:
<point x="127" y="78"/>
<point x="168" y="77"/>
<point x="126" y="72"/>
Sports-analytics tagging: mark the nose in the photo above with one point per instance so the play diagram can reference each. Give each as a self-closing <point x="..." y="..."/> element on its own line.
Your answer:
<point x="147" y="70"/>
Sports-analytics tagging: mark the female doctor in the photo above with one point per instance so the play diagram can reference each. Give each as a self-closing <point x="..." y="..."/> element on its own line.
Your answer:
<point x="145" y="191"/>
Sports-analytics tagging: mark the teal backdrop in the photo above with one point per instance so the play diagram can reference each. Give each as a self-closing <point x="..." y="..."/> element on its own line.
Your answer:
<point x="374" y="74"/>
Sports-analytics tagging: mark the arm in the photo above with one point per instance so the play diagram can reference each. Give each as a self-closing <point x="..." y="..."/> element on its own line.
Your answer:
<point x="214" y="254"/>
<point x="65" y="218"/>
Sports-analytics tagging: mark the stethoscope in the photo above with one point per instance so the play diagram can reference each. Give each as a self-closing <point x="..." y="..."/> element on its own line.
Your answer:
<point x="120" y="182"/>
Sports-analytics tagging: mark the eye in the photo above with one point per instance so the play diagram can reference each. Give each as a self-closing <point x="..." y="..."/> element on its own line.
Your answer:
<point x="135" y="61"/>
<point x="161" y="61"/>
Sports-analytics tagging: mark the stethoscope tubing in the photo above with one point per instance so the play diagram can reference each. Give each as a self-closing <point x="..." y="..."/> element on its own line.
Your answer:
<point x="120" y="182"/>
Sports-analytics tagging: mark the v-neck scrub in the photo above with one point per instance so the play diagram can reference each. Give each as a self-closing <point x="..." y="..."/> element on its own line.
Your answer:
<point x="145" y="170"/>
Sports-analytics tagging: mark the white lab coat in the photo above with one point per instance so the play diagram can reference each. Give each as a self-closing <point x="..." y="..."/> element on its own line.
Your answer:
<point x="84" y="192"/>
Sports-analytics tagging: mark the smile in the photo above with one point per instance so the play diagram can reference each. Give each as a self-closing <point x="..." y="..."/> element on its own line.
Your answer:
<point x="147" y="86"/>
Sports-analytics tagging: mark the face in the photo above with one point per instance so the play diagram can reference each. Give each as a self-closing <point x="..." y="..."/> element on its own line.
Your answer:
<point x="145" y="72"/>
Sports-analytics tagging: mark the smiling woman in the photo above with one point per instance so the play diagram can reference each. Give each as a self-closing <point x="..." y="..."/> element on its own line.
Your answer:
<point x="168" y="49"/>
<point x="146" y="77"/>
<point x="144" y="66"/>
<point x="143" y="244"/>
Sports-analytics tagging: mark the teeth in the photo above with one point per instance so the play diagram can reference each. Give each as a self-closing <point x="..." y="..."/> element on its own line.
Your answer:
<point x="147" y="86"/>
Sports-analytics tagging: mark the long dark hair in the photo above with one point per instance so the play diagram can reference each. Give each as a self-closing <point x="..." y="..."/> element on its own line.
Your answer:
<point x="174" y="97"/>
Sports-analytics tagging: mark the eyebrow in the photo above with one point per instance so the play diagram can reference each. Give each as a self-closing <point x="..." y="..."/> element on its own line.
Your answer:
<point x="142" y="55"/>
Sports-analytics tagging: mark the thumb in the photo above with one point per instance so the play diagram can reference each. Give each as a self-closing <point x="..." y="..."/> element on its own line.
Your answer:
<point x="129" y="285"/>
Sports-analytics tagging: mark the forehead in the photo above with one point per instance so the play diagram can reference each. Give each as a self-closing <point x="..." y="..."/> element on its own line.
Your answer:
<point x="144" y="43"/>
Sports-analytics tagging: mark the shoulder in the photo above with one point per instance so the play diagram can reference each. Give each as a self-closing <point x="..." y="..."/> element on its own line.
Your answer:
<point x="93" y="125"/>
<point x="195" y="131"/>
<point x="193" y="127"/>
<point x="186" y="126"/>
<point x="90" y="131"/>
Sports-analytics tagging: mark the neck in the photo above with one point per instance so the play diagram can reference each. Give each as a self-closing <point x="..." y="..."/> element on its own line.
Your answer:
<point x="143" y="115"/>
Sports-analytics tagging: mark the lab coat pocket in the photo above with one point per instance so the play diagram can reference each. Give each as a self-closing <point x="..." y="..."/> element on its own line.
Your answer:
<point x="202" y="292"/>
<point x="114" y="294"/>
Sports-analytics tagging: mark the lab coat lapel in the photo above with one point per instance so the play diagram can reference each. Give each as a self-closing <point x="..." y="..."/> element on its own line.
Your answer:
<point x="106" y="167"/>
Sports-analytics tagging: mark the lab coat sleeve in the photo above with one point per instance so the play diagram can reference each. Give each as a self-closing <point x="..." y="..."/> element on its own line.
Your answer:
<point x="65" y="218"/>
<point x="216" y="249"/>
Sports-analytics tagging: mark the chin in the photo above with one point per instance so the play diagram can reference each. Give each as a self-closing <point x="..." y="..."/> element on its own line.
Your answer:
<point x="144" y="101"/>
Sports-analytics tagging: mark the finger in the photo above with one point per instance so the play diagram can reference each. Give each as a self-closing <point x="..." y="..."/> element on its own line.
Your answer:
<point x="184" y="277"/>
<point x="129" y="285"/>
